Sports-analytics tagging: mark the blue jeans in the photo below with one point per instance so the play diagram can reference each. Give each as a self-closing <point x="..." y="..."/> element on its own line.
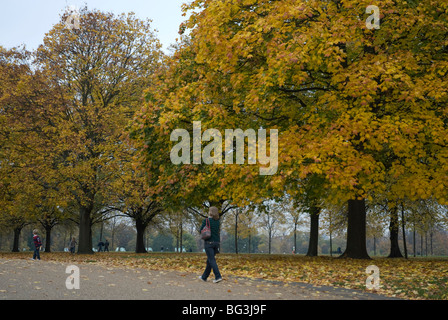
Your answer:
<point x="36" y="253"/>
<point x="211" y="248"/>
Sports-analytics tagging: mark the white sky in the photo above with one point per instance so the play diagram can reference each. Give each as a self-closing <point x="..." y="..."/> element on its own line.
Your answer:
<point x="27" y="21"/>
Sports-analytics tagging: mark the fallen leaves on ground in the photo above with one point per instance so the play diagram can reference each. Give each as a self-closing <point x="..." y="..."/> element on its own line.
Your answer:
<point x="415" y="278"/>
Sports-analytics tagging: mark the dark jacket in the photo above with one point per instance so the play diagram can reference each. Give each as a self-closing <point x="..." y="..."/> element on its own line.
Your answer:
<point x="37" y="241"/>
<point x="214" y="226"/>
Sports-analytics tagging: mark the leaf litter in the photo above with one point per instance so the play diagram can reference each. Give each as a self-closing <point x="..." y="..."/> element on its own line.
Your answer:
<point x="415" y="278"/>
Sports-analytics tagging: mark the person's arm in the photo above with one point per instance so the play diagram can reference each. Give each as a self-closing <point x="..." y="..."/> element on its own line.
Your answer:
<point x="218" y="231"/>
<point x="202" y="226"/>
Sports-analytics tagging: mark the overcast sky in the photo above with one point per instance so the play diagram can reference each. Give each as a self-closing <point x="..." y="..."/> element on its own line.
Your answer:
<point x="27" y="21"/>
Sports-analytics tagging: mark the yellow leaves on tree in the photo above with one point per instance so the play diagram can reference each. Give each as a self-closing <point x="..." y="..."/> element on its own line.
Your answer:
<point x="87" y="84"/>
<point x="363" y="109"/>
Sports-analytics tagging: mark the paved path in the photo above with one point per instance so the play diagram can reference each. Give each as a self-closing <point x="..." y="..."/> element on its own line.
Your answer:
<point x="46" y="280"/>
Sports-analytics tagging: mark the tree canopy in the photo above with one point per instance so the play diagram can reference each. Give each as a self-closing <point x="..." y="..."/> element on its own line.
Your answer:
<point x="363" y="109"/>
<point x="260" y="102"/>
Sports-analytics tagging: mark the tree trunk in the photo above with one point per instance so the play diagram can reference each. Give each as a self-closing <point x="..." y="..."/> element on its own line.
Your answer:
<point x="269" y="241"/>
<point x="413" y="245"/>
<point x="314" y="232"/>
<point x="48" y="238"/>
<point x="374" y="245"/>
<point x="430" y="239"/>
<point x="140" y="244"/>
<point x="181" y="236"/>
<point x="403" y="226"/>
<point x="15" y="244"/>
<point x="85" y="231"/>
<point x="331" y="244"/>
<point x="295" y="238"/>
<point x="356" y="231"/>
<point x="236" y="233"/>
<point x="101" y="230"/>
<point x="421" y="244"/>
<point x="112" y="243"/>
<point x="393" y="229"/>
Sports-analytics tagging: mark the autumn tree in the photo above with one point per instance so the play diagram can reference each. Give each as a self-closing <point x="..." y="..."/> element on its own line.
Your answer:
<point x="29" y="169"/>
<point x="354" y="104"/>
<point x="14" y="67"/>
<point x="295" y="212"/>
<point x="100" y="70"/>
<point x="360" y="108"/>
<point x="195" y="186"/>
<point x="175" y="219"/>
<point x="240" y="224"/>
<point x="271" y="215"/>
<point x="376" y="222"/>
<point x="142" y="215"/>
<point x="130" y="197"/>
<point x="334" y="221"/>
<point x="248" y="228"/>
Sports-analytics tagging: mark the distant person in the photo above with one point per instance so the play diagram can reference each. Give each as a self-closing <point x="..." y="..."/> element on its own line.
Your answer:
<point x="211" y="246"/>
<point x="100" y="246"/>
<point x="37" y="244"/>
<point x="106" y="246"/>
<point x="73" y="244"/>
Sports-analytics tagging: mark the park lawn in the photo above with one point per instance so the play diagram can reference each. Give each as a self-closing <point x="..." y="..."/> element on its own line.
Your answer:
<point x="415" y="278"/>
